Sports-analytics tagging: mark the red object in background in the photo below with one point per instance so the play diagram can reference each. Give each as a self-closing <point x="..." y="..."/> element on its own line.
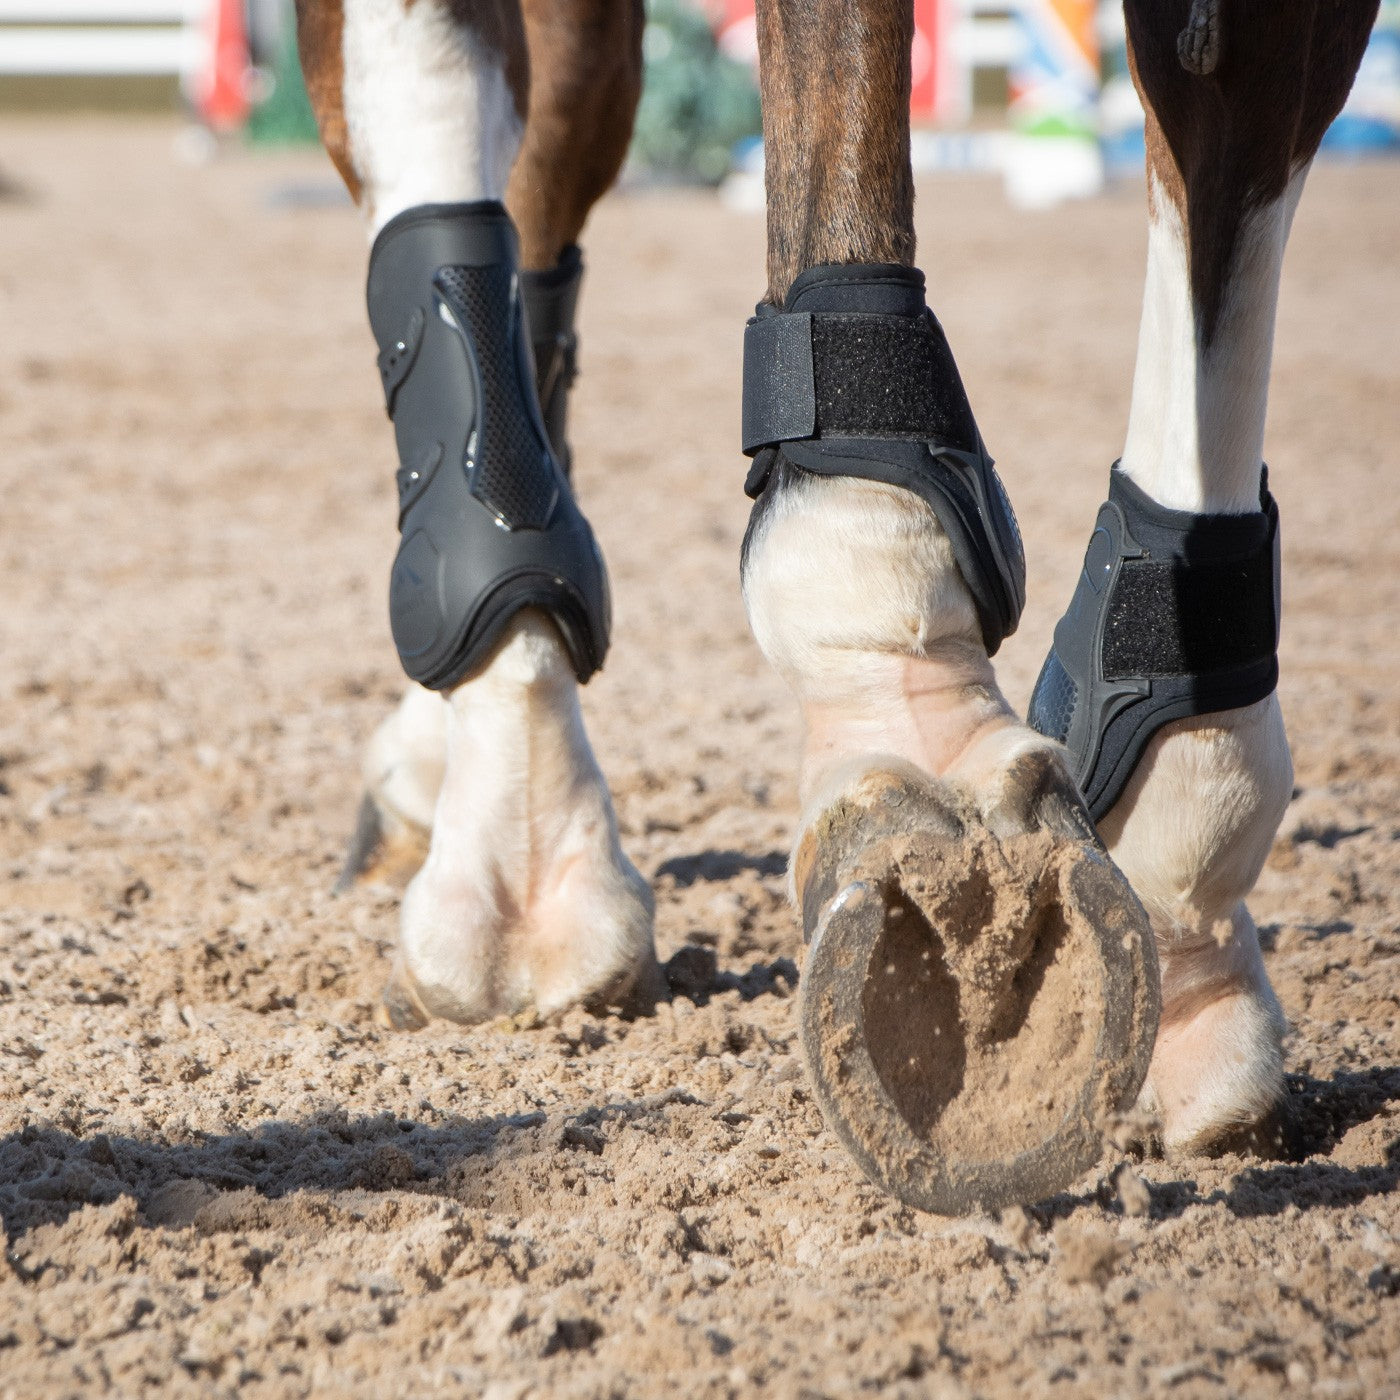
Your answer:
<point x="222" y="92"/>
<point x="736" y="29"/>
<point x="938" y="88"/>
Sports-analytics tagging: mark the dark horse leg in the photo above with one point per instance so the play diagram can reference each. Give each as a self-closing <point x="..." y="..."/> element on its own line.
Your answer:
<point x="979" y="995"/>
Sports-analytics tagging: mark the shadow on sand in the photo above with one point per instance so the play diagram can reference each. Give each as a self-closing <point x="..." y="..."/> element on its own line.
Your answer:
<point x="1317" y="1114"/>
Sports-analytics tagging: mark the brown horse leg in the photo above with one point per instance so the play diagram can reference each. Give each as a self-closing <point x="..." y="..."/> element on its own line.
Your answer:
<point x="966" y="930"/>
<point x="585" y="82"/>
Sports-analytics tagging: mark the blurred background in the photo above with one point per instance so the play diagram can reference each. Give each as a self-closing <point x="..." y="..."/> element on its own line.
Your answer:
<point x="1036" y="91"/>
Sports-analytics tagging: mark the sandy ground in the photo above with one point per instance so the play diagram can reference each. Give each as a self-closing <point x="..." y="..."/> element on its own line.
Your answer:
<point x="217" y="1175"/>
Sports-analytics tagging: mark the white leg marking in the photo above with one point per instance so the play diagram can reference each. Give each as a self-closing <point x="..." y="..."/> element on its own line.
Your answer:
<point x="1196" y="426"/>
<point x="526" y="897"/>
<point x="429" y="114"/>
<point x="853" y="596"/>
<point x="404" y="761"/>
<point x="1194" y="826"/>
<point x="1198" y="816"/>
<point x="1192" y="831"/>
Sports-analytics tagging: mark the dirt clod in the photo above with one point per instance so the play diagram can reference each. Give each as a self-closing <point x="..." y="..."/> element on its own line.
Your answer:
<point x="1133" y="1194"/>
<point x="1088" y="1253"/>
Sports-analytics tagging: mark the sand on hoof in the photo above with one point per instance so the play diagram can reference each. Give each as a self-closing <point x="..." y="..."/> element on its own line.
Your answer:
<point x="982" y="1000"/>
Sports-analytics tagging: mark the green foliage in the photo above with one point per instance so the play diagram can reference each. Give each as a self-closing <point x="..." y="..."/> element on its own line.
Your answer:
<point x="696" y="102"/>
<point x="283" y="116"/>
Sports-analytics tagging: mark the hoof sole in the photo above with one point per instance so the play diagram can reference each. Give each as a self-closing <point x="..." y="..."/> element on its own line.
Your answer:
<point x="975" y="1008"/>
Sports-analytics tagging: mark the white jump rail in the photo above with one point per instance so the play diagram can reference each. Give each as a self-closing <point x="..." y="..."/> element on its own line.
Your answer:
<point x="989" y="35"/>
<point x="101" y="38"/>
<point x="982" y="34"/>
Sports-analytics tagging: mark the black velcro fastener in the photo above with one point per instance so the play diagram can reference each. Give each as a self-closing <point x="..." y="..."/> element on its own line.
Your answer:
<point x="851" y="374"/>
<point x="1168" y="618"/>
<point x="889" y="376"/>
<point x="780" y="396"/>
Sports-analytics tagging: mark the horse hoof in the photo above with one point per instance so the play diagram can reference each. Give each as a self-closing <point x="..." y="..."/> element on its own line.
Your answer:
<point x="980" y="996"/>
<point x="380" y="849"/>
<point x="399" y="1007"/>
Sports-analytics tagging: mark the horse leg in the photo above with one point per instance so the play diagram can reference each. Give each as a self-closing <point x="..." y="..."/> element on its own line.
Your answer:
<point x="525" y="896"/>
<point x="1238" y="94"/>
<point x="585" y="81"/>
<point x="966" y="929"/>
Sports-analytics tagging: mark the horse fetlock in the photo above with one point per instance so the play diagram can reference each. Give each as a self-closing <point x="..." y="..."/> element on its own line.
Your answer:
<point x="526" y="898"/>
<point x="837" y="564"/>
<point x="1196" y="820"/>
<point x="854" y="597"/>
<point x="1192" y="831"/>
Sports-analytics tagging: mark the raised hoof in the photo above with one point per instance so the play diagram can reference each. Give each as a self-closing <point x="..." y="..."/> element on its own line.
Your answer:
<point x="978" y="1002"/>
<point x="399" y="1007"/>
<point x="378" y="850"/>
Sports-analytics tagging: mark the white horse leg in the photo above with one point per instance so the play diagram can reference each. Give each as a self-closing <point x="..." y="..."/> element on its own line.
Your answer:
<point x="1193" y="827"/>
<point x="525" y="897"/>
<point x="1237" y="103"/>
<point x="963" y="923"/>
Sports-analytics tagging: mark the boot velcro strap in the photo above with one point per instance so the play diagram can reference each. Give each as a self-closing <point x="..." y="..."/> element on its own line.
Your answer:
<point x="1169" y="618"/>
<point x="851" y="374"/>
<point x="1175" y="615"/>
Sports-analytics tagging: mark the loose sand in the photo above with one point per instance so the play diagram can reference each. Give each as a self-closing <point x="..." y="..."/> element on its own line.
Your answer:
<point x="217" y="1175"/>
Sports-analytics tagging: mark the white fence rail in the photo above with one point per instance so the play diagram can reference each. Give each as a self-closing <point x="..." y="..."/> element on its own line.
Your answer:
<point x="989" y="35"/>
<point x="97" y="38"/>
